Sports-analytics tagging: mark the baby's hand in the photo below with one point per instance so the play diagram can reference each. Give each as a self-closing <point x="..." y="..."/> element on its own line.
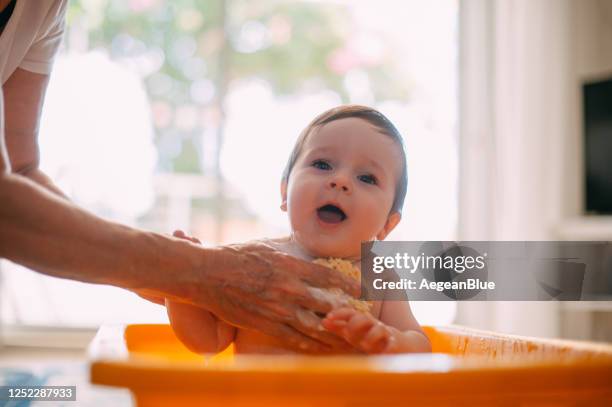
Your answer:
<point x="360" y="329"/>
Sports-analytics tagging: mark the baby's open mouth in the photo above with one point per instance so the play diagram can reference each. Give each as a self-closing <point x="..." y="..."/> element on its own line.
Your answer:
<point x="331" y="214"/>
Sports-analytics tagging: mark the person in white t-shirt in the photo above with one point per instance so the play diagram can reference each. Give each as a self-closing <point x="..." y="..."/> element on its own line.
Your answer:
<point x="31" y="35"/>
<point x="250" y="285"/>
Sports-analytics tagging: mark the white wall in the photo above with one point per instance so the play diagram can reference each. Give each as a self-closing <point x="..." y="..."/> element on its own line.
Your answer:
<point x="592" y="35"/>
<point x="591" y="59"/>
<point x="520" y="129"/>
<point x="591" y="50"/>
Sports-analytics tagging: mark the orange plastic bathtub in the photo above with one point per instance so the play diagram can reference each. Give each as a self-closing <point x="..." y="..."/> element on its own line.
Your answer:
<point x="468" y="367"/>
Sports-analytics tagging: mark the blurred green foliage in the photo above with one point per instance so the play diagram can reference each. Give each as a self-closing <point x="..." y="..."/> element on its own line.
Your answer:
<point x="291" y="45"/>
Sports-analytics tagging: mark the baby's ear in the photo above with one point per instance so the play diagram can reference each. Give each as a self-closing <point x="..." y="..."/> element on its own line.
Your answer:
<point x="391" y="223"/>
<point x="283" y="205"/>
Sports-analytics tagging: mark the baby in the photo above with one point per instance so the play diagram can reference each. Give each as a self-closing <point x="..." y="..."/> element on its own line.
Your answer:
<point x="344" y="184"/>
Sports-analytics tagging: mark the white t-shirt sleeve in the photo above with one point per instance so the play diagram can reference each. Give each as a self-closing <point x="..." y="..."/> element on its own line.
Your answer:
<point x="40" y="55"/>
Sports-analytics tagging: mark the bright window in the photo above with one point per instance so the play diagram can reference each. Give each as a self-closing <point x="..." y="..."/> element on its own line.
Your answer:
<point x="182" y="114"/>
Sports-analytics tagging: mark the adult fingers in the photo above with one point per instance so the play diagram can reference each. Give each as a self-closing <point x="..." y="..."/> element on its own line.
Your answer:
<point x="181" y="235"/>
<point x="300" y="320"/>
<point x="344" y="313"/>
<point x="304" y="321"/>
<point x="271" y="321"/>
<point x="291" y="336"/>
<point x="324" y="277"/>
<point x="335" y="326"/>
<point x="309" y="324"/>
<point x="319" y="300"/>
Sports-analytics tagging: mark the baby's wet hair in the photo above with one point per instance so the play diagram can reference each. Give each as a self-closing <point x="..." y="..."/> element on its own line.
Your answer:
<point x="372" y="116"/>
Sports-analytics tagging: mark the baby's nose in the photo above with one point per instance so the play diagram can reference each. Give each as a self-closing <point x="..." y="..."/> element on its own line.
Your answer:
<point x="340" y="183"/>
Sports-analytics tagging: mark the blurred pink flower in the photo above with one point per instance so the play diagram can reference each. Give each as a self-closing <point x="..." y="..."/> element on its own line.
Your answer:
<point x="343" y="60"/>
<point x="139" y="6"/>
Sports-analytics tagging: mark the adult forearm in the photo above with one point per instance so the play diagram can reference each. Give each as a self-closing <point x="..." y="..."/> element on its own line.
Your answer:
<point x="250" y="285"/>
<point x="49" y="234"/>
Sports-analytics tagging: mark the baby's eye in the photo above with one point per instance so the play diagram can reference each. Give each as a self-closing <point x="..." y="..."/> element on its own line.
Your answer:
<point x="368" y="179"/>
<point x="322" y="165"/>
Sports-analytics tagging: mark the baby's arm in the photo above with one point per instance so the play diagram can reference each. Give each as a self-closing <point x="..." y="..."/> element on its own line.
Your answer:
<point x="198" y="329"/>
<point x="409" y="337"/>
<point x="397" y="331"/>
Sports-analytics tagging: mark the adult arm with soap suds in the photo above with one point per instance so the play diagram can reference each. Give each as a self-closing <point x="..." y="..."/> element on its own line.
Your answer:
<point x="250" y="285"/>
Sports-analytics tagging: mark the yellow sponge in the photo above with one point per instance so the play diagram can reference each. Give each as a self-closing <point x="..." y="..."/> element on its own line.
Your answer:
<point x="346" y="268"/>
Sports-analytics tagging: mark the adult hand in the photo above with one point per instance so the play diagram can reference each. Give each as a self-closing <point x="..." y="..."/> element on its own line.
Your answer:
<point x="254" y="286"/>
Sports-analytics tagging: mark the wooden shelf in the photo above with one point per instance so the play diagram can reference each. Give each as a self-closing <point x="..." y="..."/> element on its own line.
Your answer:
<point x="588" y="306"/>
<point x="585" y="228"/>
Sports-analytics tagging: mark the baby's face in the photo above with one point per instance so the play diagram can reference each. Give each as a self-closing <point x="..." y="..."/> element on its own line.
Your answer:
<point x="342" y="187"/>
